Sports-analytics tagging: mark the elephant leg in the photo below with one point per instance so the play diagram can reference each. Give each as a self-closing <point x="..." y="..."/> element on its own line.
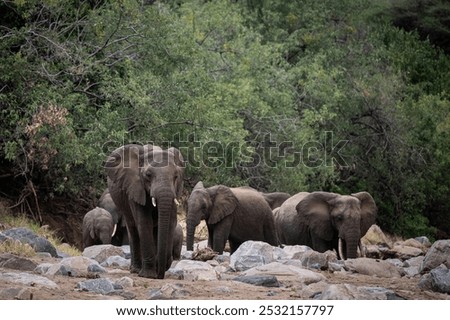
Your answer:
<point x="222" y="232"/>
<point x="145" y="227"/>
<point x="135" y="249"/>
<point x="234" y="246"/>
<point x="319" y="244"/>
<point x="210" y="236"/>
<point x="270" y="234"/>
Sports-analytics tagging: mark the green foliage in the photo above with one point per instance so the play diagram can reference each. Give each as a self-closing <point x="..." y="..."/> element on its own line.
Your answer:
<point x="282" y="96"/>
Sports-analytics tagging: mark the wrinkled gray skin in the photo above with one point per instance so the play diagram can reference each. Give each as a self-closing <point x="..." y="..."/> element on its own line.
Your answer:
<point x="177" y="242"/>
<point x="121" y="235"/>
<point x="320" y="219"/>
<point x="233" y="214"/>
<point x="276" y="199"/>
<point x="144" y="183"/>
<point x="98" y="227"/>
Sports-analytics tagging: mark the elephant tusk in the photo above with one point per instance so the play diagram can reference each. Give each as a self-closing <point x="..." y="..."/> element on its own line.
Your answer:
<point x="176" y="202"/>
<point x="114" y="230"/>
<point x="340" y="249"/>
<point x="153" y="201"/>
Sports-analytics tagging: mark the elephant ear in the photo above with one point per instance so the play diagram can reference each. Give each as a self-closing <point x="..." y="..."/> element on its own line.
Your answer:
<point x="224" y="203"/>
<point x="314" y="210"/>
<point x="179" y="161"/>
<point x="368" y="210"/>
<point x="198" y="186"/>
<point x="90" y="225"/>
<point x="123" y="166"/>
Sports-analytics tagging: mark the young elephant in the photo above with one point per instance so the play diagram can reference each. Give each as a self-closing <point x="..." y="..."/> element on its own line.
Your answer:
<point x="107" y="203"/>
<point x="98" y="227"/>
<point x="326" y="221"/>
<point x="234" y="214"/>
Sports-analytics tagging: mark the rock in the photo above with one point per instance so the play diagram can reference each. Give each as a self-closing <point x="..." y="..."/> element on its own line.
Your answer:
<point x="11" y="261"/>
<point x="102" y="286"/>
<point x="102" y="252"/>
<point x="193" y="270"/>
<point x="404" y="252"/>
<point x="294" y="252"/>
<point x="351" y="292"/>
<point x="124" y="282"/>
<point x="186" y="255"/>
<point x="117" y="262"/>
<point x="259" y="280"/>
<point x="169" y="291"/>
<point x="16" y="294"/>
<point x="317" y="260"/>
<point x="251" y="254"/>
<point x="126" y="251"/>
<point x="279" y="269"/>
<point x="411" y="266"/>
<point x="25" y="235"/>
<point x="438" y="254"/>
<point x="375" y="236"/>
<point x="223" y="258"/>
<point x="27" y="279"/>
<point x="424" y="241"/>
<point x="336" y="266"/>
<point x="75" y="266"/>
<point x="437" y="280"/>
<point x="396" y="262"/>
<point x="372" y="267"/>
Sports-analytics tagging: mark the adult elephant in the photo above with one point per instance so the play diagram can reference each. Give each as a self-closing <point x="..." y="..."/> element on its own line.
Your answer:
<point x="145" y="182"/>
<point x="276" y="199"/>
<point x="233" y="214"/>
<point x="98" y="227"/>
<point x="325" y="221"/>
<point x="106" y="202"/>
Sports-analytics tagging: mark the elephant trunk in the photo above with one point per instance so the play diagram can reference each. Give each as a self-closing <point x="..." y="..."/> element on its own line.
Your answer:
<point x="167" y="215"/>
<point x="350" y="246"/>
<point x="191" y="223"/>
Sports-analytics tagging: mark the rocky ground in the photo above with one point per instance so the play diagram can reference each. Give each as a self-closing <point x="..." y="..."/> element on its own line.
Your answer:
<point x="411" y="269"/>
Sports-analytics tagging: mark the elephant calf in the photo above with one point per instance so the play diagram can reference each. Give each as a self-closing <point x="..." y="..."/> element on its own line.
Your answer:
<point x="98" y="227"/>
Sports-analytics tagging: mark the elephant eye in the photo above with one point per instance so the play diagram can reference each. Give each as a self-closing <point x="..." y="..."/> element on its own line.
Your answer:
<point x="148" y="173"/>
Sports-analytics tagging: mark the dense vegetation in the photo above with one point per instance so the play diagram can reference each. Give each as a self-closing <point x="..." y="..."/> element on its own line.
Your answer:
<point x="280" y="95"/>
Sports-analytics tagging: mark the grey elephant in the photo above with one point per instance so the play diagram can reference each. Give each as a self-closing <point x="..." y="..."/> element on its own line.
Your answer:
<point x="98" y="227"/>
<point x="177" y="242"/>
<point x="144" y="183"/>
<point x="326" y="221"/>
<point x="276" y="199"/>
<point x="106" y="202"/>
<point x="233" y="214"/>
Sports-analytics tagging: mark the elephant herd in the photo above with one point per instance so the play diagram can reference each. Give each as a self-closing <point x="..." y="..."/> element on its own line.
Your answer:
<point x="139" y="207"/>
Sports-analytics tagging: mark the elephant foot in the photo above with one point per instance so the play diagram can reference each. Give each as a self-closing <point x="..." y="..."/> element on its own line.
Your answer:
<point x="148" y="273"/>
<point x="135" y="269"/>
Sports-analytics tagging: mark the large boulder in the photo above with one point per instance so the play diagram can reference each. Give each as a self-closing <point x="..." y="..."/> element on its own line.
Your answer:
<point x="251" y="254"/>
<point x="438" y="254"/>
<point x="193" y="271"/>
<point x="25" y="235"/>
<point x="350" y="292"/>
<point x="102" y="252"/>
<point x="72" y="266"/>
<point x="373" y="267"/>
